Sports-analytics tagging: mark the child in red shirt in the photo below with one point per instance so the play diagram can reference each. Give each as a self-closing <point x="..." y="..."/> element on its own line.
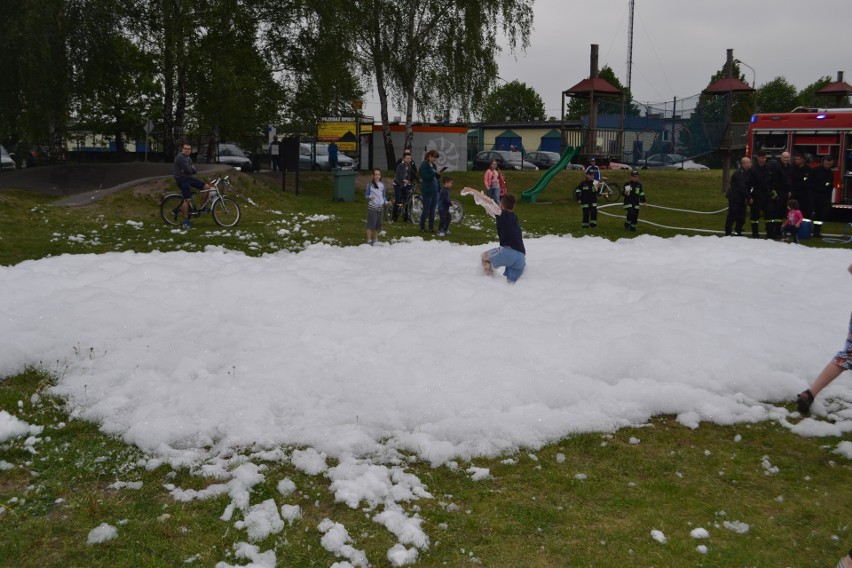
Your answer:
<point x="794" y="220"/>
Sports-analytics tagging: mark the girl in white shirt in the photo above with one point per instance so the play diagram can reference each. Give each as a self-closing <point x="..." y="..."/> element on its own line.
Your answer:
<point x="375" y="195"/>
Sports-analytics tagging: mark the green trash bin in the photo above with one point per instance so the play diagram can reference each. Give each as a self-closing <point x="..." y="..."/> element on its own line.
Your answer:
<point x="344" y="185"/>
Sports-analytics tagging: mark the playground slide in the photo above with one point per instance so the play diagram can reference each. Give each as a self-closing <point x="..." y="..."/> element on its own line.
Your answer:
<point x="529" y="195"/>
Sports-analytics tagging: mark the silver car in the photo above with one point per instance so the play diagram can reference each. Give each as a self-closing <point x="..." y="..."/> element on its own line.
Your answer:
<point x="229" y="154"/>
<point x="319" y="161"/>
<point x="672" y="162"/>
<point x="6" y="161"/>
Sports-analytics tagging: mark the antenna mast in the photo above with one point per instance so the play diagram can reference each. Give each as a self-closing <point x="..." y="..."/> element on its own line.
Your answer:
<point x="630" y="47"/>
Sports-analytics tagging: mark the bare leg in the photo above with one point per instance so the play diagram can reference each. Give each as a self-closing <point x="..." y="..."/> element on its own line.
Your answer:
<point x="486" y="264"/>
<point x="184" y="208"/>
<point x="828" y="374"/>
<point x="805" y="398"/>
<point x="846" y="561"/>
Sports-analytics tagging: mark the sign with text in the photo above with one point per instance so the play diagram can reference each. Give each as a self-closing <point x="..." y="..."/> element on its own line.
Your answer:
<point x="342" y="130"/>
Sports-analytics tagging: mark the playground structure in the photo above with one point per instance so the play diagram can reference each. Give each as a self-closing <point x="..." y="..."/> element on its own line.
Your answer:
<point x="529" y="196"/>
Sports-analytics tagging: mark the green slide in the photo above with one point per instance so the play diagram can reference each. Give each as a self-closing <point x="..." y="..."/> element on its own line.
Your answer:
<point x="529" y="195"/>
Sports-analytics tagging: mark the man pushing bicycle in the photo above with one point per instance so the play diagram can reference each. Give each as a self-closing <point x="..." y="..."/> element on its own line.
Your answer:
<point x="184" y="171"/>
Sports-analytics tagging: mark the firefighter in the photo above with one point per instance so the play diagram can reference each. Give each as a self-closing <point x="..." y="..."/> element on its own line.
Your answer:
<point x="759" y="198"/>
<point x="634" y="197"/>
<point x="822" y="184"/>
<point x="737" y="195"/>
<point x="780" y="191"/>
<point x="587" y="196"/>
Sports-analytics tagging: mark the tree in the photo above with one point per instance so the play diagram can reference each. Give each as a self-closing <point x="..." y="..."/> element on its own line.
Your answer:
<point x="776" y="96"/>
<point x="113" y="87"/>
<point x="231" y="82"/>
<point x="579" y="107"/>
<point x="436" y="54"/>
<point x="313" y="46"/>
<point x="515" y="100"/>
<point x="36" y="76"/>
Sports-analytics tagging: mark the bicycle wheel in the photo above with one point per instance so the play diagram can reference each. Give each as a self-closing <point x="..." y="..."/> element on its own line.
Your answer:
<point x="456" y="212"/>
<point x="415" y="208"/>
<point x="170" y="209"/>
<point x="226" y="212"/>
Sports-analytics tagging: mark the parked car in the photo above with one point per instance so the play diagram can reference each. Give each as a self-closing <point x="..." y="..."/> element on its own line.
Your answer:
<point x="319" y="162"/>
<point x="618" y="166"/>
<point x="542" y="159"/>
<point x="228" y="154"/>
<point x="6" y="161"/>
<point x="671" y="162"/>
<point x="506" y="160"/>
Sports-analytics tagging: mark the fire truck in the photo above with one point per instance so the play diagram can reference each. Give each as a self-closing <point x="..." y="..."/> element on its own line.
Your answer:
<point x="814" y="133"/>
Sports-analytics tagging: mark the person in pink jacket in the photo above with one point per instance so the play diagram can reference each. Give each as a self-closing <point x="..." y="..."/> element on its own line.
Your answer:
<point x="495" y="185"/>
<point x="793" y="222"/>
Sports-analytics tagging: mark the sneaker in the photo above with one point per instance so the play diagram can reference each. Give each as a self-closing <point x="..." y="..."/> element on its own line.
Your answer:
<point x="804" y="401"/>
<point x="186" y="225"/>
<point x="442" y="234"/>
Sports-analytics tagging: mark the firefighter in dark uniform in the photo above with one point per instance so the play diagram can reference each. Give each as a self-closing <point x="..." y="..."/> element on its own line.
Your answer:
<point x="780" y="190"/>
<point x="759" y="198"/>
<point x="634" y="198"/>
<point x="801" y="183"/>
<point x="737" y="194"/>
<point x="586" y="194"/>
<point x="822" y="184"/>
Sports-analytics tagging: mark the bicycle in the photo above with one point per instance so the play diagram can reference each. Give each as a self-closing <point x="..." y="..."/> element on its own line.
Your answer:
<point x="225" y="211"/>
<point x="405" y="210"/>
<point x="414" y="204"/>
<point x="605" y="191"/>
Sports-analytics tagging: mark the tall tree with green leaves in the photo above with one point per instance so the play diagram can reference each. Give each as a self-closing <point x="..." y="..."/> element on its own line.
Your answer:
<point x="437" y="55"/>
<point x="230" y="79"/>
<point x="37" y="73"/>
<point x="513" y="101"/>
<point x="778" y="95"/>
<point x="313" y="48"/>
<point x="114" y="90"/>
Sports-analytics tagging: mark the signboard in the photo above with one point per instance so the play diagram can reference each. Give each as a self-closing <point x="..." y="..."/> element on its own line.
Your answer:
<point x="342" y="130"/>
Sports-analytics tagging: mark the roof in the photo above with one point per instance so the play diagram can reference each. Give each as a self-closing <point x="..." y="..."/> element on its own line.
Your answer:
<point x="508" y="134"/>
<point x="728" y="85"/>
<point x="836" y="88"/>
<point x="596" y="86"/>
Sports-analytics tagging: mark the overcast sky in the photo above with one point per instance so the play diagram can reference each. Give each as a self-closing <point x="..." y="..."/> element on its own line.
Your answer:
<point x="679" y="44"/>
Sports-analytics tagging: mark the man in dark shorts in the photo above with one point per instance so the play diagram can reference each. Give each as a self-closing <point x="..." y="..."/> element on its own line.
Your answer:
<point x="184" y="171"/>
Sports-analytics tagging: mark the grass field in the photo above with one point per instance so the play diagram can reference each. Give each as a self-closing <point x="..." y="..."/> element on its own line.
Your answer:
<point x="764" y="496"/>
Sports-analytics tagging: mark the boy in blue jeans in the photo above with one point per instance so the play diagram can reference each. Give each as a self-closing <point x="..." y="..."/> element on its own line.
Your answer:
<point x="511" y="253"/>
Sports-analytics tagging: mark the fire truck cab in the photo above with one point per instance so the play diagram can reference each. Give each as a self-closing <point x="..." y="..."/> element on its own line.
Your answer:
<point x="814" y="133"/>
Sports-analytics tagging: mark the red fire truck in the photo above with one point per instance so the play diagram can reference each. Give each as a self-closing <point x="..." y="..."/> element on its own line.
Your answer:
<point x="813" y="132"/>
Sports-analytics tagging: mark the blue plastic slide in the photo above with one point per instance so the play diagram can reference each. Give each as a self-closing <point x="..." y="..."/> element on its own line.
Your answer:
<point x="529" y="195"/>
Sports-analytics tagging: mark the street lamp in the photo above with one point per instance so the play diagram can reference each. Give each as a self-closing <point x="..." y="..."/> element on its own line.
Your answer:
<point x="753" y="79"/>
<point x="753" y="72"/>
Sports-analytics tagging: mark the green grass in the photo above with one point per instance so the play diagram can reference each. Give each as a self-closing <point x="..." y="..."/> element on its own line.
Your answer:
<point x="532" y="512"/>
<point x="31" y="228"/>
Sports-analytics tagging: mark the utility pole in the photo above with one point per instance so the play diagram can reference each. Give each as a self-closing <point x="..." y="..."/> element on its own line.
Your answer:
<point x="630" y="47"/>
